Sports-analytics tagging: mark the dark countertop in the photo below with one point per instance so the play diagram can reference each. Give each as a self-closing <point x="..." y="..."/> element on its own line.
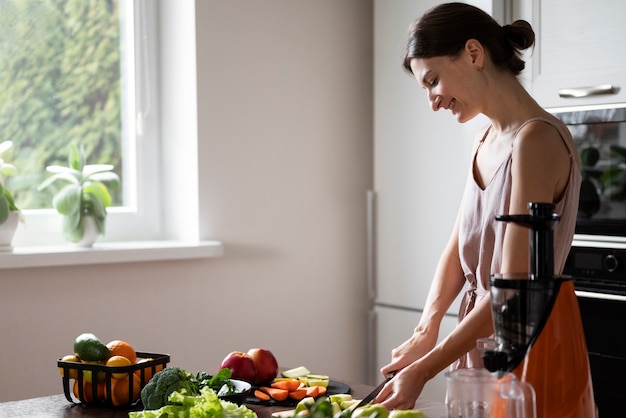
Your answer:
<point x="58" y="406"/>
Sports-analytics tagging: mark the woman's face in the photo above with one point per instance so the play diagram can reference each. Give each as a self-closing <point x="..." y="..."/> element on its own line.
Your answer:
<point x="449" y="84"/>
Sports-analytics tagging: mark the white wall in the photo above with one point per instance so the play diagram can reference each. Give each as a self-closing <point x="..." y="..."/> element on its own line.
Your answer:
<point x="285" y="140"/>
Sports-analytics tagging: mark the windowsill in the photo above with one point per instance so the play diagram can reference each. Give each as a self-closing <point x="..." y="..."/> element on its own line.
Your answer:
<point x="105" y="253"/>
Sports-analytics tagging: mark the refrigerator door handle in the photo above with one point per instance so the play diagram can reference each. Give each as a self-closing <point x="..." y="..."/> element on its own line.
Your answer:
<point x="371" y="244"/>
<point x="372" y="355"/>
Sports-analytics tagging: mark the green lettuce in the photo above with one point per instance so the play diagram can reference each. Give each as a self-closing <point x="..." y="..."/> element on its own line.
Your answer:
<point x="205" y="405"/>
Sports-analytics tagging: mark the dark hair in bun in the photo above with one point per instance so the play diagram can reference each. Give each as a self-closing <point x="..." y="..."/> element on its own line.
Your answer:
<point x="444" y="30"/>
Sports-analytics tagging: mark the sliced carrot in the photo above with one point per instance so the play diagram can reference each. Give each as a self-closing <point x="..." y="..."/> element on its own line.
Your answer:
<point x="321" y="390"/>
<point x="313" y="391"/>
<point x="261" y="395"/>
<point x="276" y="394"/>
<point x="298" y="394"/>
<point x="287" y="384"/>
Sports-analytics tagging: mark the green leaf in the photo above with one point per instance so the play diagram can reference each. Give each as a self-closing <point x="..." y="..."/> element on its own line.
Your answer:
<point x="64" y="175"/>
<point x="8" y="169"/>
<point x="9" y="198"/>
<point x="618" y="151"/>
<point x="4" y="206"/>
<point x="91" y="169"/>
<point x="76" y="158"/>
<point x="5" y="146"/>
<point x="110" y="180"/>
<point x="67" y="201"/>
<point x="99" y="191"/>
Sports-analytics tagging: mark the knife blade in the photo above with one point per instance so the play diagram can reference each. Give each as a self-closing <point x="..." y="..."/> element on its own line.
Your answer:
<point x="370" y="397"/>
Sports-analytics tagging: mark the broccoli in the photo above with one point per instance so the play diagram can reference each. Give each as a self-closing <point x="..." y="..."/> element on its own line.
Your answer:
<point x="171" y="379"/>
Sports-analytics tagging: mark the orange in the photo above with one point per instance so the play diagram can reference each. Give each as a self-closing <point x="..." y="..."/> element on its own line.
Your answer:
<point x="118" y="361"/>
<point x="72" y="373"/>
<point x="122" y="348"/>
<point x="147" y="370"/>
<point x="88" y="391"/>
<point x="120" y="391"/>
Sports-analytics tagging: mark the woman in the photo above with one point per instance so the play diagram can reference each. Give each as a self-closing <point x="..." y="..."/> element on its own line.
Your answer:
<point x="468" y="64"/>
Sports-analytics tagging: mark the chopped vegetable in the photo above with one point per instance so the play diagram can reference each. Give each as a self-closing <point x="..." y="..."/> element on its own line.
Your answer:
<point x="205" y="405"/>
<point x="203" y="379"/>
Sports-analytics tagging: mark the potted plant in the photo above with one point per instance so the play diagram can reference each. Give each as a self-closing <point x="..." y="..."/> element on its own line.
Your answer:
<point x="9" y="213"/>
<point x="84" y="199"/>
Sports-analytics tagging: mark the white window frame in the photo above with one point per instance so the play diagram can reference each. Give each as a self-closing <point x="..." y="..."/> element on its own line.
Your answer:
<point x="140" y="217"/>
<point x="163" y="221"/>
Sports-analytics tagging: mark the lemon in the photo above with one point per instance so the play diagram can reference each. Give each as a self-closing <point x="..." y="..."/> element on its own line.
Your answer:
<point x="72" y="373"/>
<point x="88" y="347"/>
<point x="118" y="361"/>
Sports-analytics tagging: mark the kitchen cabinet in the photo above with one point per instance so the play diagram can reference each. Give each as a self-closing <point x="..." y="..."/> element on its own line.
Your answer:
<point x="579" y="51"/>
<point x="394" y="326"/>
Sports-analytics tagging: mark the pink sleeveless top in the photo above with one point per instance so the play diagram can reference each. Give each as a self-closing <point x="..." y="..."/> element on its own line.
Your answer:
<point x="481" y="236"/>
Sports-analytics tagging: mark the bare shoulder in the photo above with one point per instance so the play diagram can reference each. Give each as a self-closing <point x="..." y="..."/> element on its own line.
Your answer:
<point x="541" y="139"/>
<point x="542" y="160"/>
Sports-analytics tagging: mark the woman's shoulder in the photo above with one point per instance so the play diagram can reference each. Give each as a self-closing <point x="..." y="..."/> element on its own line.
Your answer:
<point x="542" y="130"/>
<point x="545" y="136"/>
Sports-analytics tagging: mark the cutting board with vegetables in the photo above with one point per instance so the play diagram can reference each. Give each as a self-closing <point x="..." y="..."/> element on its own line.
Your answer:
<point x="294" y="385"/>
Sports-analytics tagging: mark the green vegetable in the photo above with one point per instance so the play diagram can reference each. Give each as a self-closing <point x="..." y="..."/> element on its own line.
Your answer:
<point x="320" y="408"/>
<point x="205" y="405"/>
<point x="203" y="379"/>
<point x="169" y="380"/>
<point x="371" y="410"/>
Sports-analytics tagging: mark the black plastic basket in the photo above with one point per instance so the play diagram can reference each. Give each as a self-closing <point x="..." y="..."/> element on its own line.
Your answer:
<point x="143" y="370"/>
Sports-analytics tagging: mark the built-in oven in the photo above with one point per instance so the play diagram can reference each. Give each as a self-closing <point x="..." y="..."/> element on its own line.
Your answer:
<point x="599" y="272"/>
<point x="599" y="133"/>
<point x="597" y="260"/>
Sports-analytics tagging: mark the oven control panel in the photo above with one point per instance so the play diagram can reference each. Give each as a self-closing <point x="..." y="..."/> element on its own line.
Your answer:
<point x="597" y="269"/>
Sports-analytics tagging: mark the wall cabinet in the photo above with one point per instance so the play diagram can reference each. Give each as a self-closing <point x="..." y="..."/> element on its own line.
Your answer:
<point x="579" y="57"/>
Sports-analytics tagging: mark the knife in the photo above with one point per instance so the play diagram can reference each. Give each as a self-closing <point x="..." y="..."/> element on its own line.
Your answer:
<point x="370" y="397"/>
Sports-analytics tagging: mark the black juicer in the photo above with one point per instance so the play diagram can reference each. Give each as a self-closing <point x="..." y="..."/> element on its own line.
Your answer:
<point x="522" y="303"/>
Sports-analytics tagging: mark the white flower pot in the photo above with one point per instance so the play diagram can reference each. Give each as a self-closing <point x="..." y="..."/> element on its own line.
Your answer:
<point x="7" y="231"/>
<point x="90" y="235"/>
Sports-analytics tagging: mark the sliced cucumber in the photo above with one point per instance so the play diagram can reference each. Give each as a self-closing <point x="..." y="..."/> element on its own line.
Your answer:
<point x="297" y="372"/>
<point x="317" y="377"/>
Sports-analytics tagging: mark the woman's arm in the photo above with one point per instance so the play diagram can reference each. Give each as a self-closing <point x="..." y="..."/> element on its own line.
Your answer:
<point x="540" y="172"/>
<point x="447" y="283"/>
<point x="403" y="390"/>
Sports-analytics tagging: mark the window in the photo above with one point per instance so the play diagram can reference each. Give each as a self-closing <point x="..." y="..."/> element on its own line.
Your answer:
<point x="81" y="71"/>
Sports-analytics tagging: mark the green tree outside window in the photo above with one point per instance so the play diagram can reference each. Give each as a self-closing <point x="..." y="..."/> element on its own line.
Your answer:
<point x="59" y="84"/>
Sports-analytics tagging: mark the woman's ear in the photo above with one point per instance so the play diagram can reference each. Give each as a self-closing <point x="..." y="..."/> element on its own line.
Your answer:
<point x="476" y="52"/>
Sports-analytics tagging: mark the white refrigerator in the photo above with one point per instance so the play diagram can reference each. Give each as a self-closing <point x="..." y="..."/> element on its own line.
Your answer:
<point x="421" y="159"/>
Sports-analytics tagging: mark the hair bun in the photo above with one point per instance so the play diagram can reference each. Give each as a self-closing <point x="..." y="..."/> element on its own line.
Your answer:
<point x="520" y="34"/>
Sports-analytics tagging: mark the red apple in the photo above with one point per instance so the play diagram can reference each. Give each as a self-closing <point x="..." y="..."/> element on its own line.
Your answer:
<point x="241" y="366"/>
<point x="265" y="363"/>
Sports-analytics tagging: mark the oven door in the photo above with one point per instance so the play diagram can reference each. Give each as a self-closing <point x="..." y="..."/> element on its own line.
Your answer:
<point x="599" y="133"/>
<point x="604" y="322"/>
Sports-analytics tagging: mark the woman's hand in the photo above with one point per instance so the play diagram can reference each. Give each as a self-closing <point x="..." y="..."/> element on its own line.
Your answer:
<point x="402" y="391"/>
<point x="409" y="351"/>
